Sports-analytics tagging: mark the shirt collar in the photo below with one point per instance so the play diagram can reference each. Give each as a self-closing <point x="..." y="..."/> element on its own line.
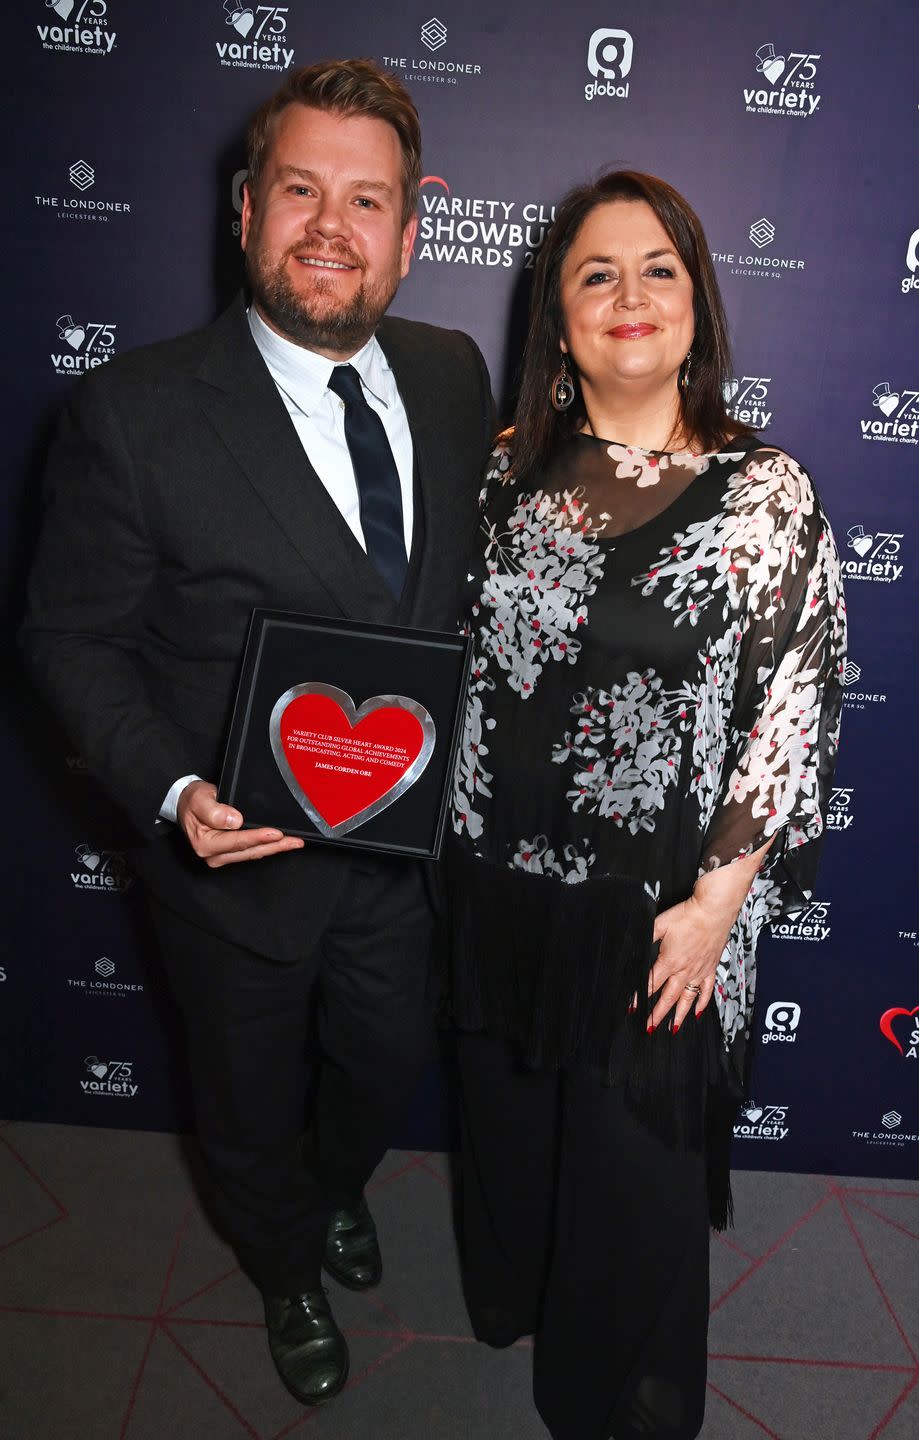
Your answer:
<point x="304" y="376"/>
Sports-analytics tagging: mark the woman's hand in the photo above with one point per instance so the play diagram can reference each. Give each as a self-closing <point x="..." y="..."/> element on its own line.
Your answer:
<point x="692" y="938"/>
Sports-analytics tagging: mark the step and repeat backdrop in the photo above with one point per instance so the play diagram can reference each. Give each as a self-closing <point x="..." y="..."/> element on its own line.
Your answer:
<point x="794" y="130"/>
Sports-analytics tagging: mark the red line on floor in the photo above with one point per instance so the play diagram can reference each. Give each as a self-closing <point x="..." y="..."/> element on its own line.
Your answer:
<point x="412" y="1164"/>
<point x="132" y="1398"/>
<point x="773" y="1250"/>
<point x="196" y="1294"/>
<point x="825" y="1364"/>
<point x="740" y="1409"/>
<point x="886" y="1419"/>
<point x="731" y="1245"/>
<point x="895" y="1224"/>
<point x="429" y="1170"/>
<point x="873" y="1273"/>
<point x="170" y="1268"/>
<point x="869" y="1190"/>
<point x="211" y="1384"/>
<point x="34" y="1176"/>
<point x="54" y="1314"/>
<point x="231" y="1324"/>
<point x="27" y="1234"/>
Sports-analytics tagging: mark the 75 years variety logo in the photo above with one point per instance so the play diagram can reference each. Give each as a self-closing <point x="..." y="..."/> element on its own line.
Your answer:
<point x="260" y="33"/>
<point x="85" y="28"/>
<point x="788" y="85"/>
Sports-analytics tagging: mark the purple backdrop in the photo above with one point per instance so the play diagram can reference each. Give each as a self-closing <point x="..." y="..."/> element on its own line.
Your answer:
<point x="793" y="131"/>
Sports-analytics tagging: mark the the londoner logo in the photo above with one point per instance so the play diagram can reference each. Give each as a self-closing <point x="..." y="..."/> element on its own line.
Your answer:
<point x="433" y="68"/>
<point x="112" y="1078"/>
<point x="82" y="345"/>
<point x="81" y="176"/>
<point x="609" y="60"/>
<point x="892" y="1135"/>
<point x="747" y="397"/>
<point x="911" y="281"/>
<point x="762" y="1122"/>
<point x="897" y="420"/>
<point x="810" y="922"/>
<point x="78" y="26"/>
<point x="101" y="870"/>
<point x="104" y="982"/>
<point x="840" y="814"/>
<point x="875" y="555"/>
<point x="258" y="37"/>
<point x="854" y="697"/>
<point x="787" y="83"/>
<point x="753" y="262"/>
<point x="782" y="1020"/>
<point x="901" y="1028"/>
<point x="479" y="230"/>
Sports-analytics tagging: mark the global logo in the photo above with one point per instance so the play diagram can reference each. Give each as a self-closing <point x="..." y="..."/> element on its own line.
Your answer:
<point x="761" y="1122"/>
<point x="83" y="346"/>
<point x="876" y="553"/>
<point x="433" y="33"/>
<point x="747" y="397"/>
<point x="111" y="1078"/>
<point x="85" y="30"/>
<point x="101" y="870"/>
<point x="911" y="281"/>
<point x="900" y="411"/>
<point x="262" y="32"/>
<point x="782" y="1020"/>
<point x="788" y="83"/>
<point x="900" y="1019"/>
<point x="609" y="57"/>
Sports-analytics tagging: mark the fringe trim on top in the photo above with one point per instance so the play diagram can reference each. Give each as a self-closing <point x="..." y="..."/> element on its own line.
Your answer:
<point x="552" y="968"/>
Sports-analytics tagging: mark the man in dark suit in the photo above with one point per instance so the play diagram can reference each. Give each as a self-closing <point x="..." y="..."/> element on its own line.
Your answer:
<point x="302" y="454"/>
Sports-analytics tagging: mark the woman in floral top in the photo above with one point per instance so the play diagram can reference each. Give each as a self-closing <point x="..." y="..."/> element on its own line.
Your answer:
<point x="649" y="744"/>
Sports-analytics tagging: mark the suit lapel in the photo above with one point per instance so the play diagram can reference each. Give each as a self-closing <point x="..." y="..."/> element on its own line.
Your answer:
<point x="242" y="403"/>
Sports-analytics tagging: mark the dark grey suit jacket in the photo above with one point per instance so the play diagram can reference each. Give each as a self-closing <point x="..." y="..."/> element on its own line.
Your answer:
<point x="179" y="498"/>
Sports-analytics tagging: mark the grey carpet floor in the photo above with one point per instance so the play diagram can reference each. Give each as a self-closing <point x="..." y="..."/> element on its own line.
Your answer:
<point x="123" y="1316"/>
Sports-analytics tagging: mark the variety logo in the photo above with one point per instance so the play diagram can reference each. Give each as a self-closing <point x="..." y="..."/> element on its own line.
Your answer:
<point x="85" y="346"/>
<point x="82" y="177"/>
<point x="839" y="815"/>
<point x="908" y="1027"/>
<point x="105" y="870"/>
<point x="900" y="409"/>
<point x="460" y="230"/>
<point x="854" y="699"/>
<point x="747" y="398"/>
<point x="782" y="1019"/>
<point x="876" y="555"/>
<point x="2" y="974"/>
<point x="762" y="1122"/>
<point x="105" y="986"/>
<point x="84" y="31"/>
<point x="433" y="33"/>
<point x="911" y="281"/>
<point x="433" y="36"/>
<point x="109" y="1077"/>
<point x="77" y="764"/>
<point x="262" y="32"/>
<point x="761" y="234"/>
<point x="891" y="1136"/>
<point x="788" y="84"/>
<point x="609" y="58"/>
<point x="811" y="922"/>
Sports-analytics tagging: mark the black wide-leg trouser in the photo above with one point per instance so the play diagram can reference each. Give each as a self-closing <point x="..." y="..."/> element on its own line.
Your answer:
<point x="582" y="1229"/>
<point x="355" y="1009"/>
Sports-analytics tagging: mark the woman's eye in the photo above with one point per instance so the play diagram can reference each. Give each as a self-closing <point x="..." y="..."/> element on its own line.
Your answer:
<point x="597" y="277"/>
<point x="662" y="270"/>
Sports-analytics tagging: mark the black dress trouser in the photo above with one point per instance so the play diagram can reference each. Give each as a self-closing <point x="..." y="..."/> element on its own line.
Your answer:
<point x="355" y="1008"/>
<point x="582" y="1229"/>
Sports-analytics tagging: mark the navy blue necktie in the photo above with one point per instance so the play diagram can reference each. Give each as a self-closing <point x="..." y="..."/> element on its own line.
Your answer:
<point x="378" y="486"/>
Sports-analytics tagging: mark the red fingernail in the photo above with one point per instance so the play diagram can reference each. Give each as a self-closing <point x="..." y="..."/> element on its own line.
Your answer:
<point x="651" y="1028"/>
<point x="698" y="1014"/>
<point x="676" y="1029"/>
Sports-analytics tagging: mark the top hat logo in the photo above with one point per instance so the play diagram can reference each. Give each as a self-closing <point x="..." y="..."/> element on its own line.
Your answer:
<point x="770" y="65"/>
<point x="60" y="7"/>
<point x="858" y="540"/>
<point x="95" y="1066"/>
<point x="239" y="16"/>
<point x="884" y="399"/>
<point x="73" y="334"/>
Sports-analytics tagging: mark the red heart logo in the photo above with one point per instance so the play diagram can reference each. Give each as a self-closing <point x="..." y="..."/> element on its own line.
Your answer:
<point x="887" y="1020"/>
<point x="344" y="764"/>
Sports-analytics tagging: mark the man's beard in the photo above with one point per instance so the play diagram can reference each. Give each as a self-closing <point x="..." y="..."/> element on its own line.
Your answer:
<point x="315" y="321"/>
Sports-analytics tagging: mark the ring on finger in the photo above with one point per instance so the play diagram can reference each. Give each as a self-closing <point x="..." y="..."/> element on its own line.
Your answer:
<point x="693" y="989"/>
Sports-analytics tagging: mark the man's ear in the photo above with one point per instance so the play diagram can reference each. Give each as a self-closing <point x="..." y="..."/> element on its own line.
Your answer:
<point x="408" y="244"/>
<point x="247" y="211"/>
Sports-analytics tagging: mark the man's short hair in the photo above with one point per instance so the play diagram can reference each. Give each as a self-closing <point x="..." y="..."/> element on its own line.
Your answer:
<point x="345" y="87"/>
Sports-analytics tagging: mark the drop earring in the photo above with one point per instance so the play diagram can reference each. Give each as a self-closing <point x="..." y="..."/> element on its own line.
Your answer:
<point x="561" y="391"/>
<point x="684" y="378"/>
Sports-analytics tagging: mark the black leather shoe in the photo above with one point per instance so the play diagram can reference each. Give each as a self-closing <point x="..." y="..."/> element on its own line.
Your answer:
<point x="309" y="1350"/>
<point x="352" y="1251"/>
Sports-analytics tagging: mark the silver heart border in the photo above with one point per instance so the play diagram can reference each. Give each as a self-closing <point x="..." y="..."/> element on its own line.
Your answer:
<point x="355" y="715"/>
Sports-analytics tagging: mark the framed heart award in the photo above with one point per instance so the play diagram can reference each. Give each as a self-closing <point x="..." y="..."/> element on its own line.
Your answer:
<point x="345" y="732"/>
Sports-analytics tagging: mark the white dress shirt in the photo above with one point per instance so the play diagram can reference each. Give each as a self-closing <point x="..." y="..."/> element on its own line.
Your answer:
<point x="318" y="416"/>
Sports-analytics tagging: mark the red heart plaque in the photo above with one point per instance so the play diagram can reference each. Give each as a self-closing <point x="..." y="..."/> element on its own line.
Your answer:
<point x="887" y="1020"/>
<point x="344" y="764"/>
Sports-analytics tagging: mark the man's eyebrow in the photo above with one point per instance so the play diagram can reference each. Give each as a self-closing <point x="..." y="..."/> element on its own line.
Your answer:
<point x="380" y="186"/>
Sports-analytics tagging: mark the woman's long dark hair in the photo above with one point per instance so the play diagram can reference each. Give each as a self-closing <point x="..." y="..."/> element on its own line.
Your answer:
<point x="704" y="417"/>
